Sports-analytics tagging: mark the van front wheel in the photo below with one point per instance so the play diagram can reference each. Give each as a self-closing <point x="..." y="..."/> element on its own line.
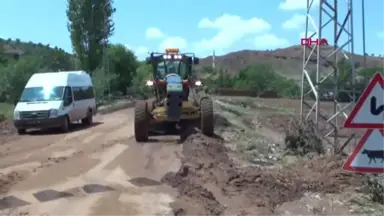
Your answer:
<point x="65" y="126"/>
<point x="87" y="120"/>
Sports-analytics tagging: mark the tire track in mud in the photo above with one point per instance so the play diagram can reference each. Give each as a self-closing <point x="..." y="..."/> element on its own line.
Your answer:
<point x="32" y="146"/>
<point x="76" y="131"/>
<point x="47" y="195"/>
<point x="100" y="180"/>
<point x="74" y="136"/>
<point x="28" y="159"/>
<point x="109" y="179"/>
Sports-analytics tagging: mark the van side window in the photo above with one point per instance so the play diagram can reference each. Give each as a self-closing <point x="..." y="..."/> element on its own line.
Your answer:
<point x="83" y="93"/>
<point x="77" y="93"/>
<point x="90" y="92"/>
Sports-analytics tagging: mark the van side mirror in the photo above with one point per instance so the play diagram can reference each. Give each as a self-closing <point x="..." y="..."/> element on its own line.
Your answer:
<point x="15" y="102"/>
<point x="196" y="60"/>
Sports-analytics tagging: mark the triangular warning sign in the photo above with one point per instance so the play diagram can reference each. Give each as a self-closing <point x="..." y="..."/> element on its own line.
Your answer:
<point x="369" y="109"/>
<point x="368" y="155"/>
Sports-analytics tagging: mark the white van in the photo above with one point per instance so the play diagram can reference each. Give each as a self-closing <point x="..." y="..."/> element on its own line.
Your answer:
<point x="55" y="100"/>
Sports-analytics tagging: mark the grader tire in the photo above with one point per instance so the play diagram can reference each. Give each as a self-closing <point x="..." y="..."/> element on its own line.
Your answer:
<point x="141" y="121"/>
<point x="207" y="122"/>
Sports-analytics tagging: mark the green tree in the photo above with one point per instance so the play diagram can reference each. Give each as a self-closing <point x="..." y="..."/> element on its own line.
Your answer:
<point x="57" y="60"/>
<point x="258" y="77"/>
<point x="143" y="73"/>
<point x="101" y="81"/>
<point x="124" y="64"/>
<point x="2" y="54"/>
<point x="16" y="74"/>
<point x="367" y="73"/>
<point x="90" y="24"/>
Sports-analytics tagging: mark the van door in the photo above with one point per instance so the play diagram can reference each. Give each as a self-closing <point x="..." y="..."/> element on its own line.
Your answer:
<point x="78" y="103"/>
<point x="84" y="102"/>
<point x="69" y="103"/>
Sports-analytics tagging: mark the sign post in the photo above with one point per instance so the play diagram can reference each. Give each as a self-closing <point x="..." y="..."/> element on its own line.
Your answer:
<point x="368" y="156"/>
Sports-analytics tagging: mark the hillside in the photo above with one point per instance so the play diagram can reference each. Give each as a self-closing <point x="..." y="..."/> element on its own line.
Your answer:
<point x="53" y="58"/>
<point x="287" y="61"/>
<point x="14" y="48"/>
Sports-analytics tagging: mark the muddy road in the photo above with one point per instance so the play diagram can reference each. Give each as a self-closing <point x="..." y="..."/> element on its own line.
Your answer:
<point x="101" y="170"/>
<point x="98" y="170"/>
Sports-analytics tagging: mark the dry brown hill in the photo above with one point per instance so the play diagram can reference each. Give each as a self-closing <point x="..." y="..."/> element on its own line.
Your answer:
<point x="287" y="61"/>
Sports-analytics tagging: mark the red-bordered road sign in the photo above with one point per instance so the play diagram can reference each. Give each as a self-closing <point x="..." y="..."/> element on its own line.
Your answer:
<point x="369" y="109"/>
<point x="368" y="156"/>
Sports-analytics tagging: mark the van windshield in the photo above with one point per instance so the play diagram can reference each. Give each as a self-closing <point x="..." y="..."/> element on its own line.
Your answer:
<point x="42" y="94"/>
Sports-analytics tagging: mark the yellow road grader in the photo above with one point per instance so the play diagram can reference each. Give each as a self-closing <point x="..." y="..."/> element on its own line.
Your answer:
<point x="176" y="104"/>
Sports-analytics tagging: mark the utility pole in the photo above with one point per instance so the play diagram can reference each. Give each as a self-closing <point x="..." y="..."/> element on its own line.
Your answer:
<point x="363" y="22"/>
<point x="213" y="60"/>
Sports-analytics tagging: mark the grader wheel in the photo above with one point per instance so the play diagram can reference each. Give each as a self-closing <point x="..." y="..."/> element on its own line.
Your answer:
<point x="141" y="121"/>
<point x="207" y="122"/>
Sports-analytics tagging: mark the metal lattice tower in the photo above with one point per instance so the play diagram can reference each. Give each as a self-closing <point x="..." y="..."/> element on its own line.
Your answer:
<point x="329" y="20"/>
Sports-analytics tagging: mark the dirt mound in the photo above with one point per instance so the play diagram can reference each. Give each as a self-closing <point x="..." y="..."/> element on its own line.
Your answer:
<point x="7" y="130"/>
<point x="211" y="183"/>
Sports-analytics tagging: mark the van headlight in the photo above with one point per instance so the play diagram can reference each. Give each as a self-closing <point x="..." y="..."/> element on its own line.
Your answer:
<point x="16" y="115"/>
<point x="53" y="113"/>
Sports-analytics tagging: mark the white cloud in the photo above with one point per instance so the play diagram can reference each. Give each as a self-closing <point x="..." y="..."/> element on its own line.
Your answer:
<point x="173" y="42"/>
<point x="296" y="4"/>
<point x="140" y="51"/>
<point x="295" y="22"/>
<point x="380" y="34"/>
<point x="269" y="41"/>
<point x="231" y="28"/>
<point x="152" y="33"/>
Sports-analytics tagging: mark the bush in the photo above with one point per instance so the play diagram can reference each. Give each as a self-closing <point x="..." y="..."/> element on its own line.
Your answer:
<point x="6" y="111"/>
<point x="257" y="78"/>
<point x="139" y="89"/>
<point x="301" y="138"/>
<point x="375" y="187"/>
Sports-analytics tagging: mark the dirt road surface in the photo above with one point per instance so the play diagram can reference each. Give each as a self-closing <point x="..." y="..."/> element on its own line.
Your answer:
<point x="99" y="170"/>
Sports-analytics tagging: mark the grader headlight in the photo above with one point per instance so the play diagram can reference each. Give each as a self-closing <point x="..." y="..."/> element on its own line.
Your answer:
<point x="149" y="83"/>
